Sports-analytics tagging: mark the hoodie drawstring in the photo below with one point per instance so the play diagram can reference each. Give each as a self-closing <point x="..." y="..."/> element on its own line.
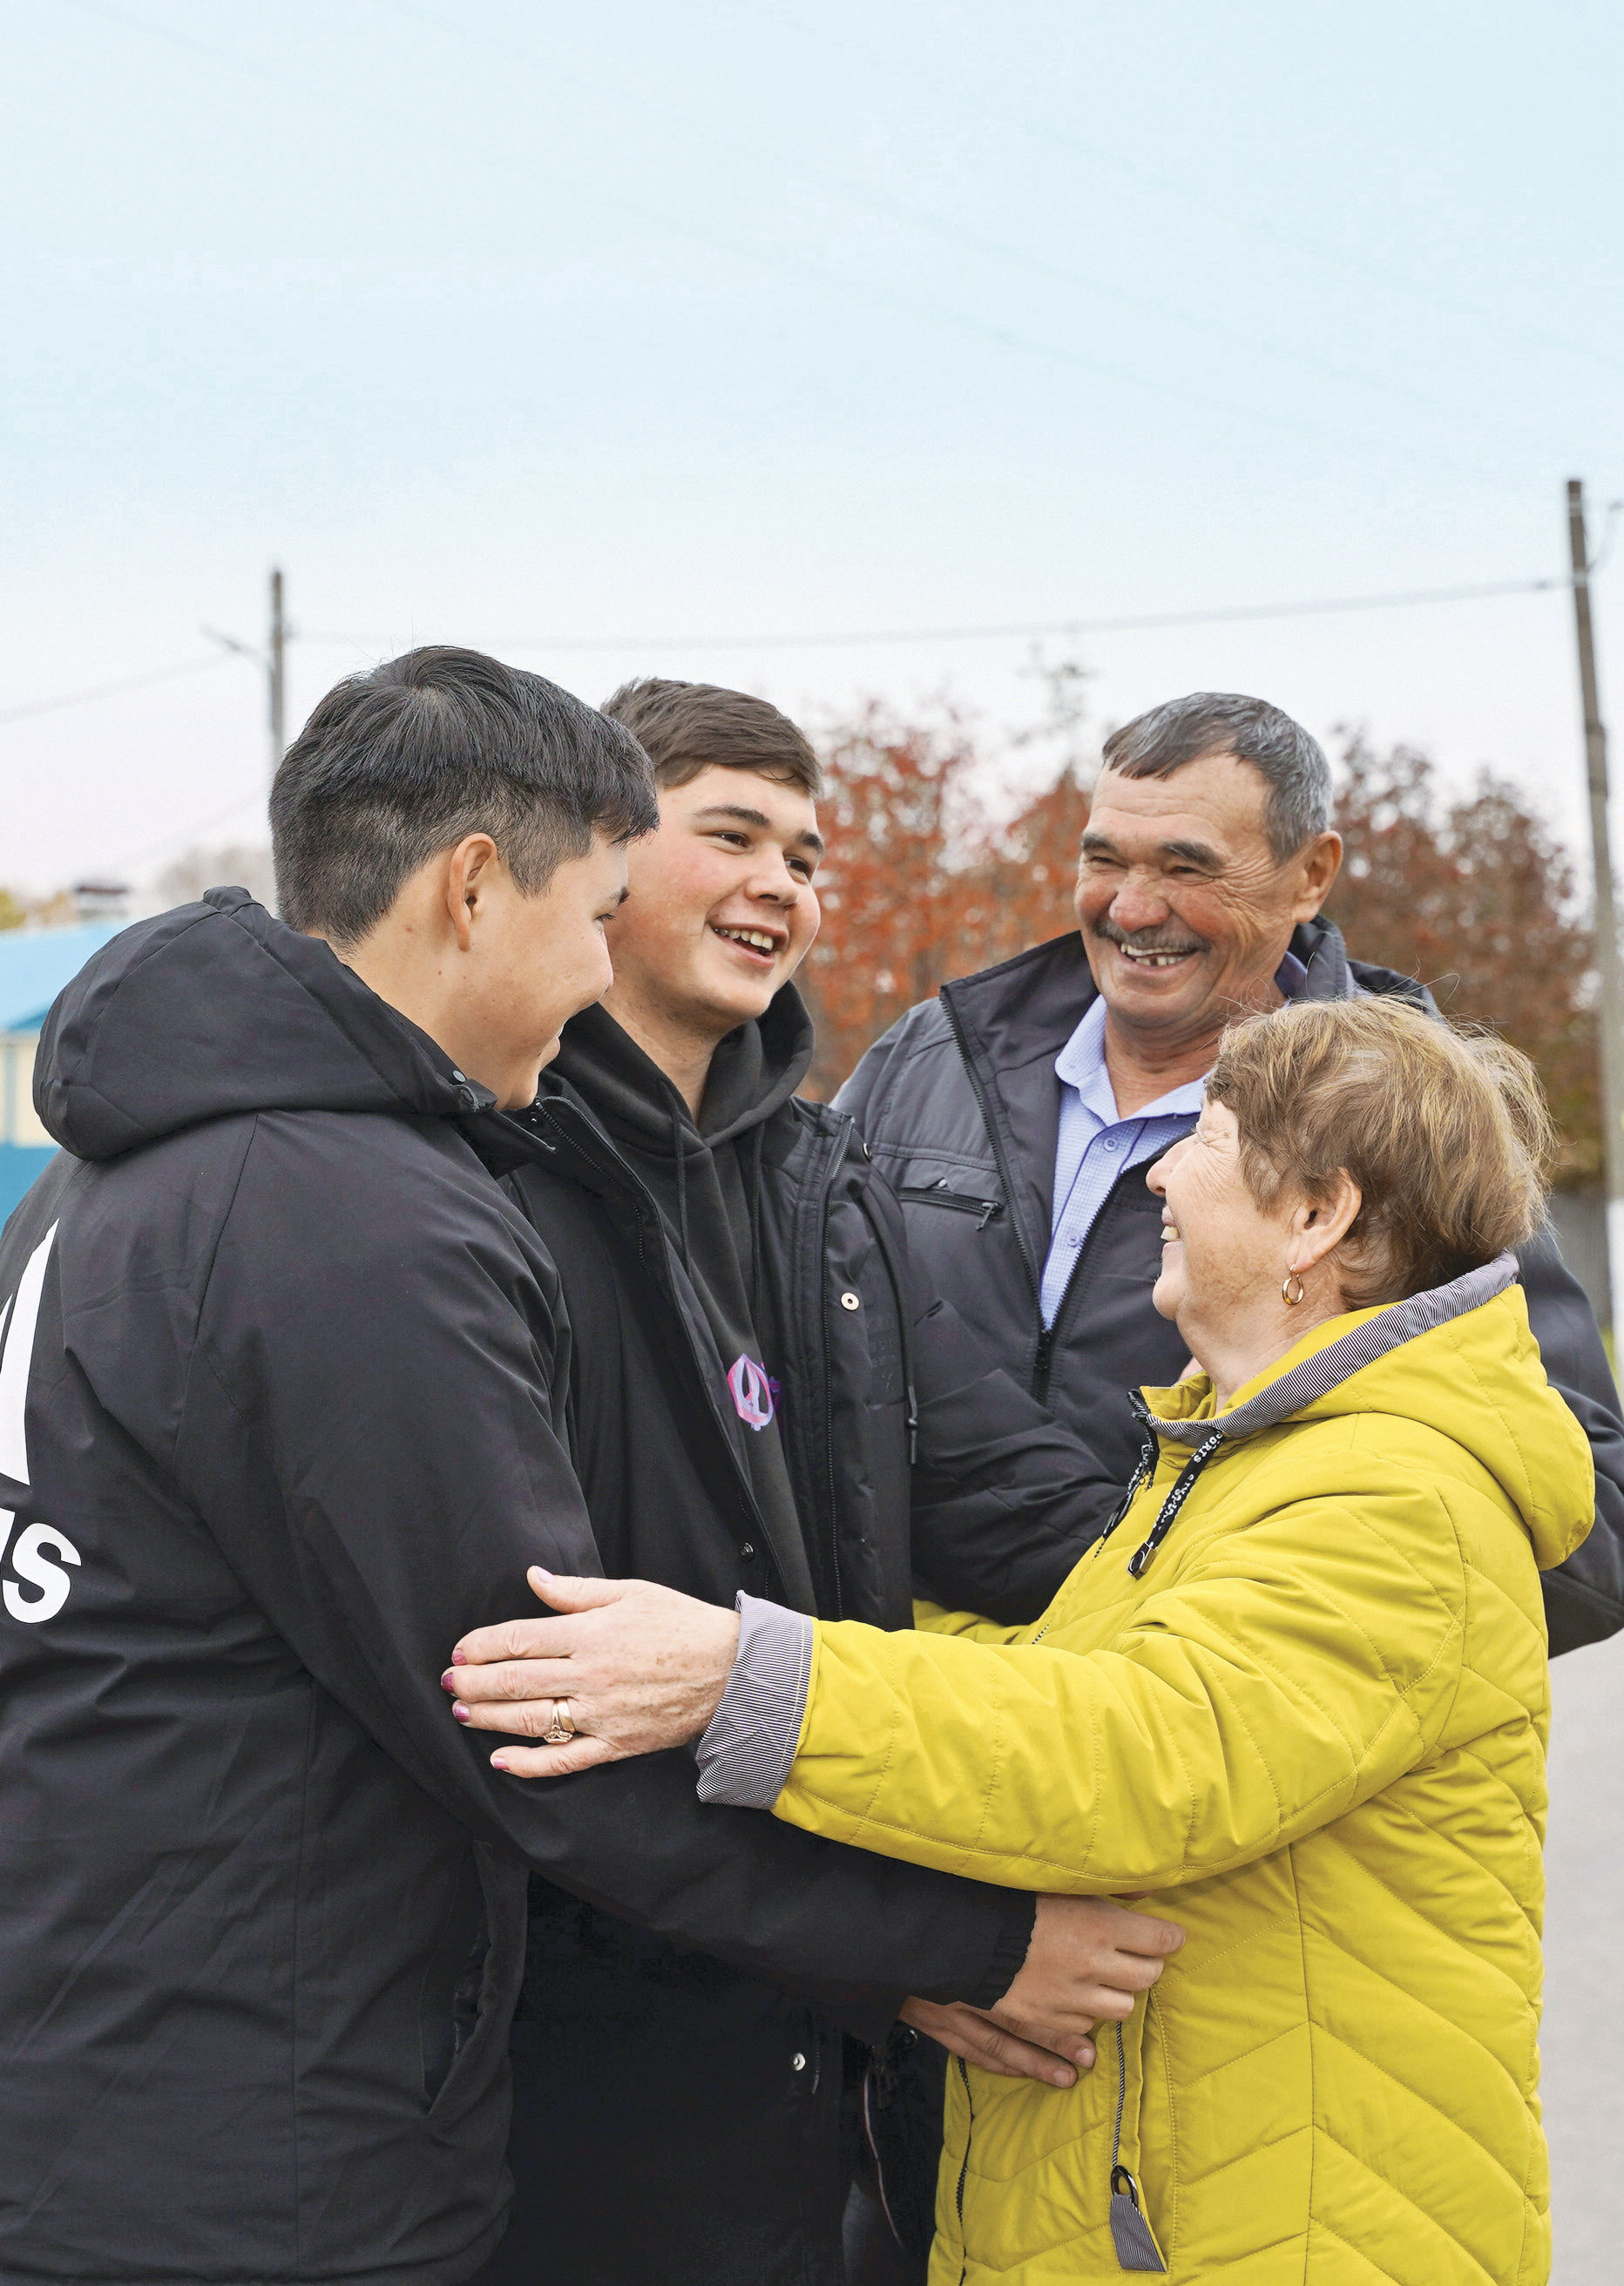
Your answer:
<point x="756" y="1135"/>
<point x="680" y="1147"/>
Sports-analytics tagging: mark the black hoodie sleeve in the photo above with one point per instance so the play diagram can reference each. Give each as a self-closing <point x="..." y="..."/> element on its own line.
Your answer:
<point x="1584" y="1597"/>
<point x="373" y="1430"/>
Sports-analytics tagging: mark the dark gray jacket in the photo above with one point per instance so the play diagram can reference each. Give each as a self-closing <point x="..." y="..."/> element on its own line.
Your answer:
<point x="960" y="1105"/>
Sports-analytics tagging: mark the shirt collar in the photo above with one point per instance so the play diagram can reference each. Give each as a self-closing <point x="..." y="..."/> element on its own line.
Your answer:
<point x="1081" y="1062"/>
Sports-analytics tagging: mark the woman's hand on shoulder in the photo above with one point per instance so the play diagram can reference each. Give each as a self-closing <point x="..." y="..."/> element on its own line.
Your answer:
<point x="625" y="1668"/>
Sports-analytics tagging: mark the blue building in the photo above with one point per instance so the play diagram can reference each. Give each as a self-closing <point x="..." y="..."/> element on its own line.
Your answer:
<point x="35" y="965"/>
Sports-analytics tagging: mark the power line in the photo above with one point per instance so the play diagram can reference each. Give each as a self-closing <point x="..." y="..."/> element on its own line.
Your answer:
<point x="107" y="690"/>
<point x="852" y="637"/>
<point x="822" y="640"/>
<point x="234" y="811"/>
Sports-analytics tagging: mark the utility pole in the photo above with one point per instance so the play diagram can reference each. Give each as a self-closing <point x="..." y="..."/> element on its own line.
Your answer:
<point x="275" y="663"/>
<point x="1606" y="918"/>
<point x="273" y="658"/>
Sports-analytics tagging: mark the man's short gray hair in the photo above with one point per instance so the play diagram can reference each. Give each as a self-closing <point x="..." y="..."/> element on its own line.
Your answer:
<point x="1181" y="730"/>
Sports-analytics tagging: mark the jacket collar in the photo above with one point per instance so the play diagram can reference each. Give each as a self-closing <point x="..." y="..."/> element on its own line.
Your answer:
<point x="1374" y="1334"/>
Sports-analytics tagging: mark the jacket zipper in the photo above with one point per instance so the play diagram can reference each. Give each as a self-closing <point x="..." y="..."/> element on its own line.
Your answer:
<point x="1124" y="2184"/>
<point x="963" y="2168"/>
<point x="1050" y="1333"/>
<point x="1043" y="1358"/>
<point x="822" y="1180"/>
<point x="899" y="1295"/>
<point x="1005" y="1171"/>
<point x="1145" y="1468"/>
<point x="937" y="1194"/>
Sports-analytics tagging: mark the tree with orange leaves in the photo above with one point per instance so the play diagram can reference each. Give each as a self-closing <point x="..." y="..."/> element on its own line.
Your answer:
<point x="918" y="886"/>
<point x="1475" y="896"/>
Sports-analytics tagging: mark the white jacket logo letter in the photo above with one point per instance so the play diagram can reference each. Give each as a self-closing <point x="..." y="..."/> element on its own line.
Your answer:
<point x="40" y="1550"/>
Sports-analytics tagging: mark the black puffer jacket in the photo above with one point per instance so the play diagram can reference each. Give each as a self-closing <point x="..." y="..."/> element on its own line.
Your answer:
<point x="889" y="1412"/>
<point x="960" y="1105"/>
<point x="283" y="1412"/>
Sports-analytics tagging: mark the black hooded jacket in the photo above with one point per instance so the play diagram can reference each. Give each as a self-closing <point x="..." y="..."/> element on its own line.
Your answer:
<point x="960" y="1105"/>
<point x="765" y="1223"/>
<point x="284" y="1409"/>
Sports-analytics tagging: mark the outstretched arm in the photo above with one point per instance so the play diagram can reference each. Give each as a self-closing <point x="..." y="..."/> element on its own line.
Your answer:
<point x="1089" y="1958"/>
<point x="1260" y="1694"/>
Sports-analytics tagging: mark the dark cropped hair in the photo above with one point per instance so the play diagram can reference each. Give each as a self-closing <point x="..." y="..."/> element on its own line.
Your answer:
<point x="398" y="764"/>
<point x="1181" y="730"/>
<point x="684" y="728"/>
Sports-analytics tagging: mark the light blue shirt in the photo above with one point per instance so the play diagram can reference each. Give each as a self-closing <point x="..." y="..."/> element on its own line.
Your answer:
<point x="1096" y="1143"/>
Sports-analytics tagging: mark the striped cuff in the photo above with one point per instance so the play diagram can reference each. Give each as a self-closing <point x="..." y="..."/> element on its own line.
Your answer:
<point x="744" y="1756"/>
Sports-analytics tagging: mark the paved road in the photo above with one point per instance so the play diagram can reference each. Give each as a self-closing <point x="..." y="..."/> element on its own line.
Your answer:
<point x="1584" y="1966"/>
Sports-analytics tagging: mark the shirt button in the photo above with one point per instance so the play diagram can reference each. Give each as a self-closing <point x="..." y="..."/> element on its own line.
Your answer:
<point x="797" y="2063"/>
<point x="851" y="1302"/>
<point x="747" y="1550"/>
<point x="1110" y="1143"/>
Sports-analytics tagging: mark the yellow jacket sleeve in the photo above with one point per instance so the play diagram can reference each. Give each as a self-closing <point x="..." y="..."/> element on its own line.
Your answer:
<point x="1292" y="1669"/>
<point x="938" y="1621"/>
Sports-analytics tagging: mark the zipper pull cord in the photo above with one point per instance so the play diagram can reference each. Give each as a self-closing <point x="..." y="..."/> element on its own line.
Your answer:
<point x="1143" y="1469"/>
<point x="1138" y="1563"/>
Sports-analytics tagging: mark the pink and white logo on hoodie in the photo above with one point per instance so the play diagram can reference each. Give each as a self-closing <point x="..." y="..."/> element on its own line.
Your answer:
<point x="752" y="1392"/>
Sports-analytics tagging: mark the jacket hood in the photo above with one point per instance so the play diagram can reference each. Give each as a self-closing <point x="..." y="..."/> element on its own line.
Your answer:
<point x="1459" y="1358"/>
<point x="218" y="1008"/>
<point x="755" y="1070"/>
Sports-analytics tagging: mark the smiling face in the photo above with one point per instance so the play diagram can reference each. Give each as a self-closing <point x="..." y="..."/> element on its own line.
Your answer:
<point x="536" y="960"/>
<point x="1184" y="909"/>
<point x="1221" y="1252"/>
<point x="720" y="911"/>
<point x="1228" y="1263"/>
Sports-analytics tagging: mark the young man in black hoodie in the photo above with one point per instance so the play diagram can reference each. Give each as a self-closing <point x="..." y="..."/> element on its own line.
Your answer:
<point x="285" y="1403"/>
<point x="742" y="1270"/>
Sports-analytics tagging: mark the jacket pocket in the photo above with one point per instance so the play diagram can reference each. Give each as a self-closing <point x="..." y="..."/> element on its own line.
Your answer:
<point x="938" y="1194"/>
<point x="479" y="1960"/>
<point x="447" y="2002"/>
<point x="1132" y="2230"/>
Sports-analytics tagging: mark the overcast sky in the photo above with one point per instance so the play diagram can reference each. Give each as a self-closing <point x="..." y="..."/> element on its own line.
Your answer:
<point x="538" y="326"/>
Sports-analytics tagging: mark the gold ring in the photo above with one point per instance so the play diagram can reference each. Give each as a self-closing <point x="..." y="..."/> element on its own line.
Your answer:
<point x="556" y="1734"/>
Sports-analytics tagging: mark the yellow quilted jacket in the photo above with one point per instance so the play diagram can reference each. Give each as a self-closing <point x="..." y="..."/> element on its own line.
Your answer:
<point x="1304" y="1707"/>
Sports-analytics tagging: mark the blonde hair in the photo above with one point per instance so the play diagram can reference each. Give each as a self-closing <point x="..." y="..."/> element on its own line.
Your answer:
<point x="1445" y="1133"/>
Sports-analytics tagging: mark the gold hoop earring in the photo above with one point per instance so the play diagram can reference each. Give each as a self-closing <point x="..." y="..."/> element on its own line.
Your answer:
<point x="1286" y="1284"/>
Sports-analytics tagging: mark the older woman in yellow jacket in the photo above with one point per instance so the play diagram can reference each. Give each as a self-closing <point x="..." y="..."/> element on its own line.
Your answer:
<point x="1296" y="1695"/>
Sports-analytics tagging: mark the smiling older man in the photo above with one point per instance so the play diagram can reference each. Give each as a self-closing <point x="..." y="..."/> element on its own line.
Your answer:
<point x="1017" y="1112"/>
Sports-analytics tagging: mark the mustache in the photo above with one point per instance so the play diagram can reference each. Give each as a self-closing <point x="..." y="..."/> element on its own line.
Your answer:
<point x="1147" y="940"/>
